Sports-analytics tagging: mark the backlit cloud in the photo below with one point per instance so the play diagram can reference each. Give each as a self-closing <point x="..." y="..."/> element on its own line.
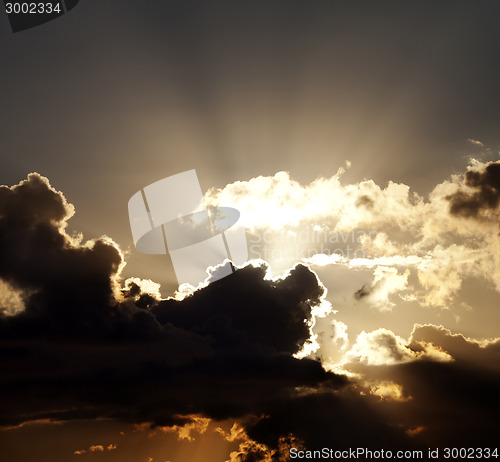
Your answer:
<point x="386" y="281"/>
<point x="237" y="335"/>
<point x="184" y="432"/>
<point x="93" y="346"/>
<point x="392" y="230"/>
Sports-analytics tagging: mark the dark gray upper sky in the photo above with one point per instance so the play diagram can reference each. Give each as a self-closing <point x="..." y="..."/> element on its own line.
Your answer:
<point x="117" y="94"/>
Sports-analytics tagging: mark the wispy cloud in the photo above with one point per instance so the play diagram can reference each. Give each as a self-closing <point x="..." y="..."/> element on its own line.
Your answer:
<point x="475" y="142"/>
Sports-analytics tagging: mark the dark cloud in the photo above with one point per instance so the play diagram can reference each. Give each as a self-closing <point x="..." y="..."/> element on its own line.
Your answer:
<point x="451" y="403"/>
<point x="69" y="283"/>
<point x="249" y="309"/>
<point x="448" y="403"/>
<point x="363" y="292"/>
<point x="82" y="348"/>
<point x="86" y="348"/>
<point x="326" y="419"/>
<point x="486" y="196"/>
<point x="485" y="354"/>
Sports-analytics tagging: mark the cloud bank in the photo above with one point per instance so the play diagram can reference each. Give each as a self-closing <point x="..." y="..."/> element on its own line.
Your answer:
<point x="435" y="242"/>
<point x="77" y="342"/>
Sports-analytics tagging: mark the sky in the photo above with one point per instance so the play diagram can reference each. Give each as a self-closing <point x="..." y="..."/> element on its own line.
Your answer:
<point x="359" y="142"/>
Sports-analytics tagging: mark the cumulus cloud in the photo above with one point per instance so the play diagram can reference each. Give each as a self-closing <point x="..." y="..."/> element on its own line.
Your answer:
<point x="428" y="241"/>
<point x="332" y="339"/>
<point x="248" y="449"/>
<point x="437" y="385"/>
<point x="279" y="201"/>
<point x="386" y="281"/>
<point x="91" y="350"/>
<point x="96" y="448"/>
<point x="388" y="390"/>
<point x="60" y="279"/>
<point x="383" y="347"/>
<point x="483" y="352"/>
<point x="11" y="300"/>
<point x="195" y="423"/>
<point x="87" y="345"/>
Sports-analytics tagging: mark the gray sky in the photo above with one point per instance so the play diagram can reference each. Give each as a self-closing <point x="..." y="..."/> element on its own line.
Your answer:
<point x="118" y="94"/>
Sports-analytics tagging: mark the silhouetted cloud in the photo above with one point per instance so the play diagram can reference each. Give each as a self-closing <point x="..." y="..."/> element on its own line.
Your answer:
<point x="485" y="194"/>
<point x="86" y="346"/>
<point x="83" y="349"/>
<point x="449" y="383"/>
